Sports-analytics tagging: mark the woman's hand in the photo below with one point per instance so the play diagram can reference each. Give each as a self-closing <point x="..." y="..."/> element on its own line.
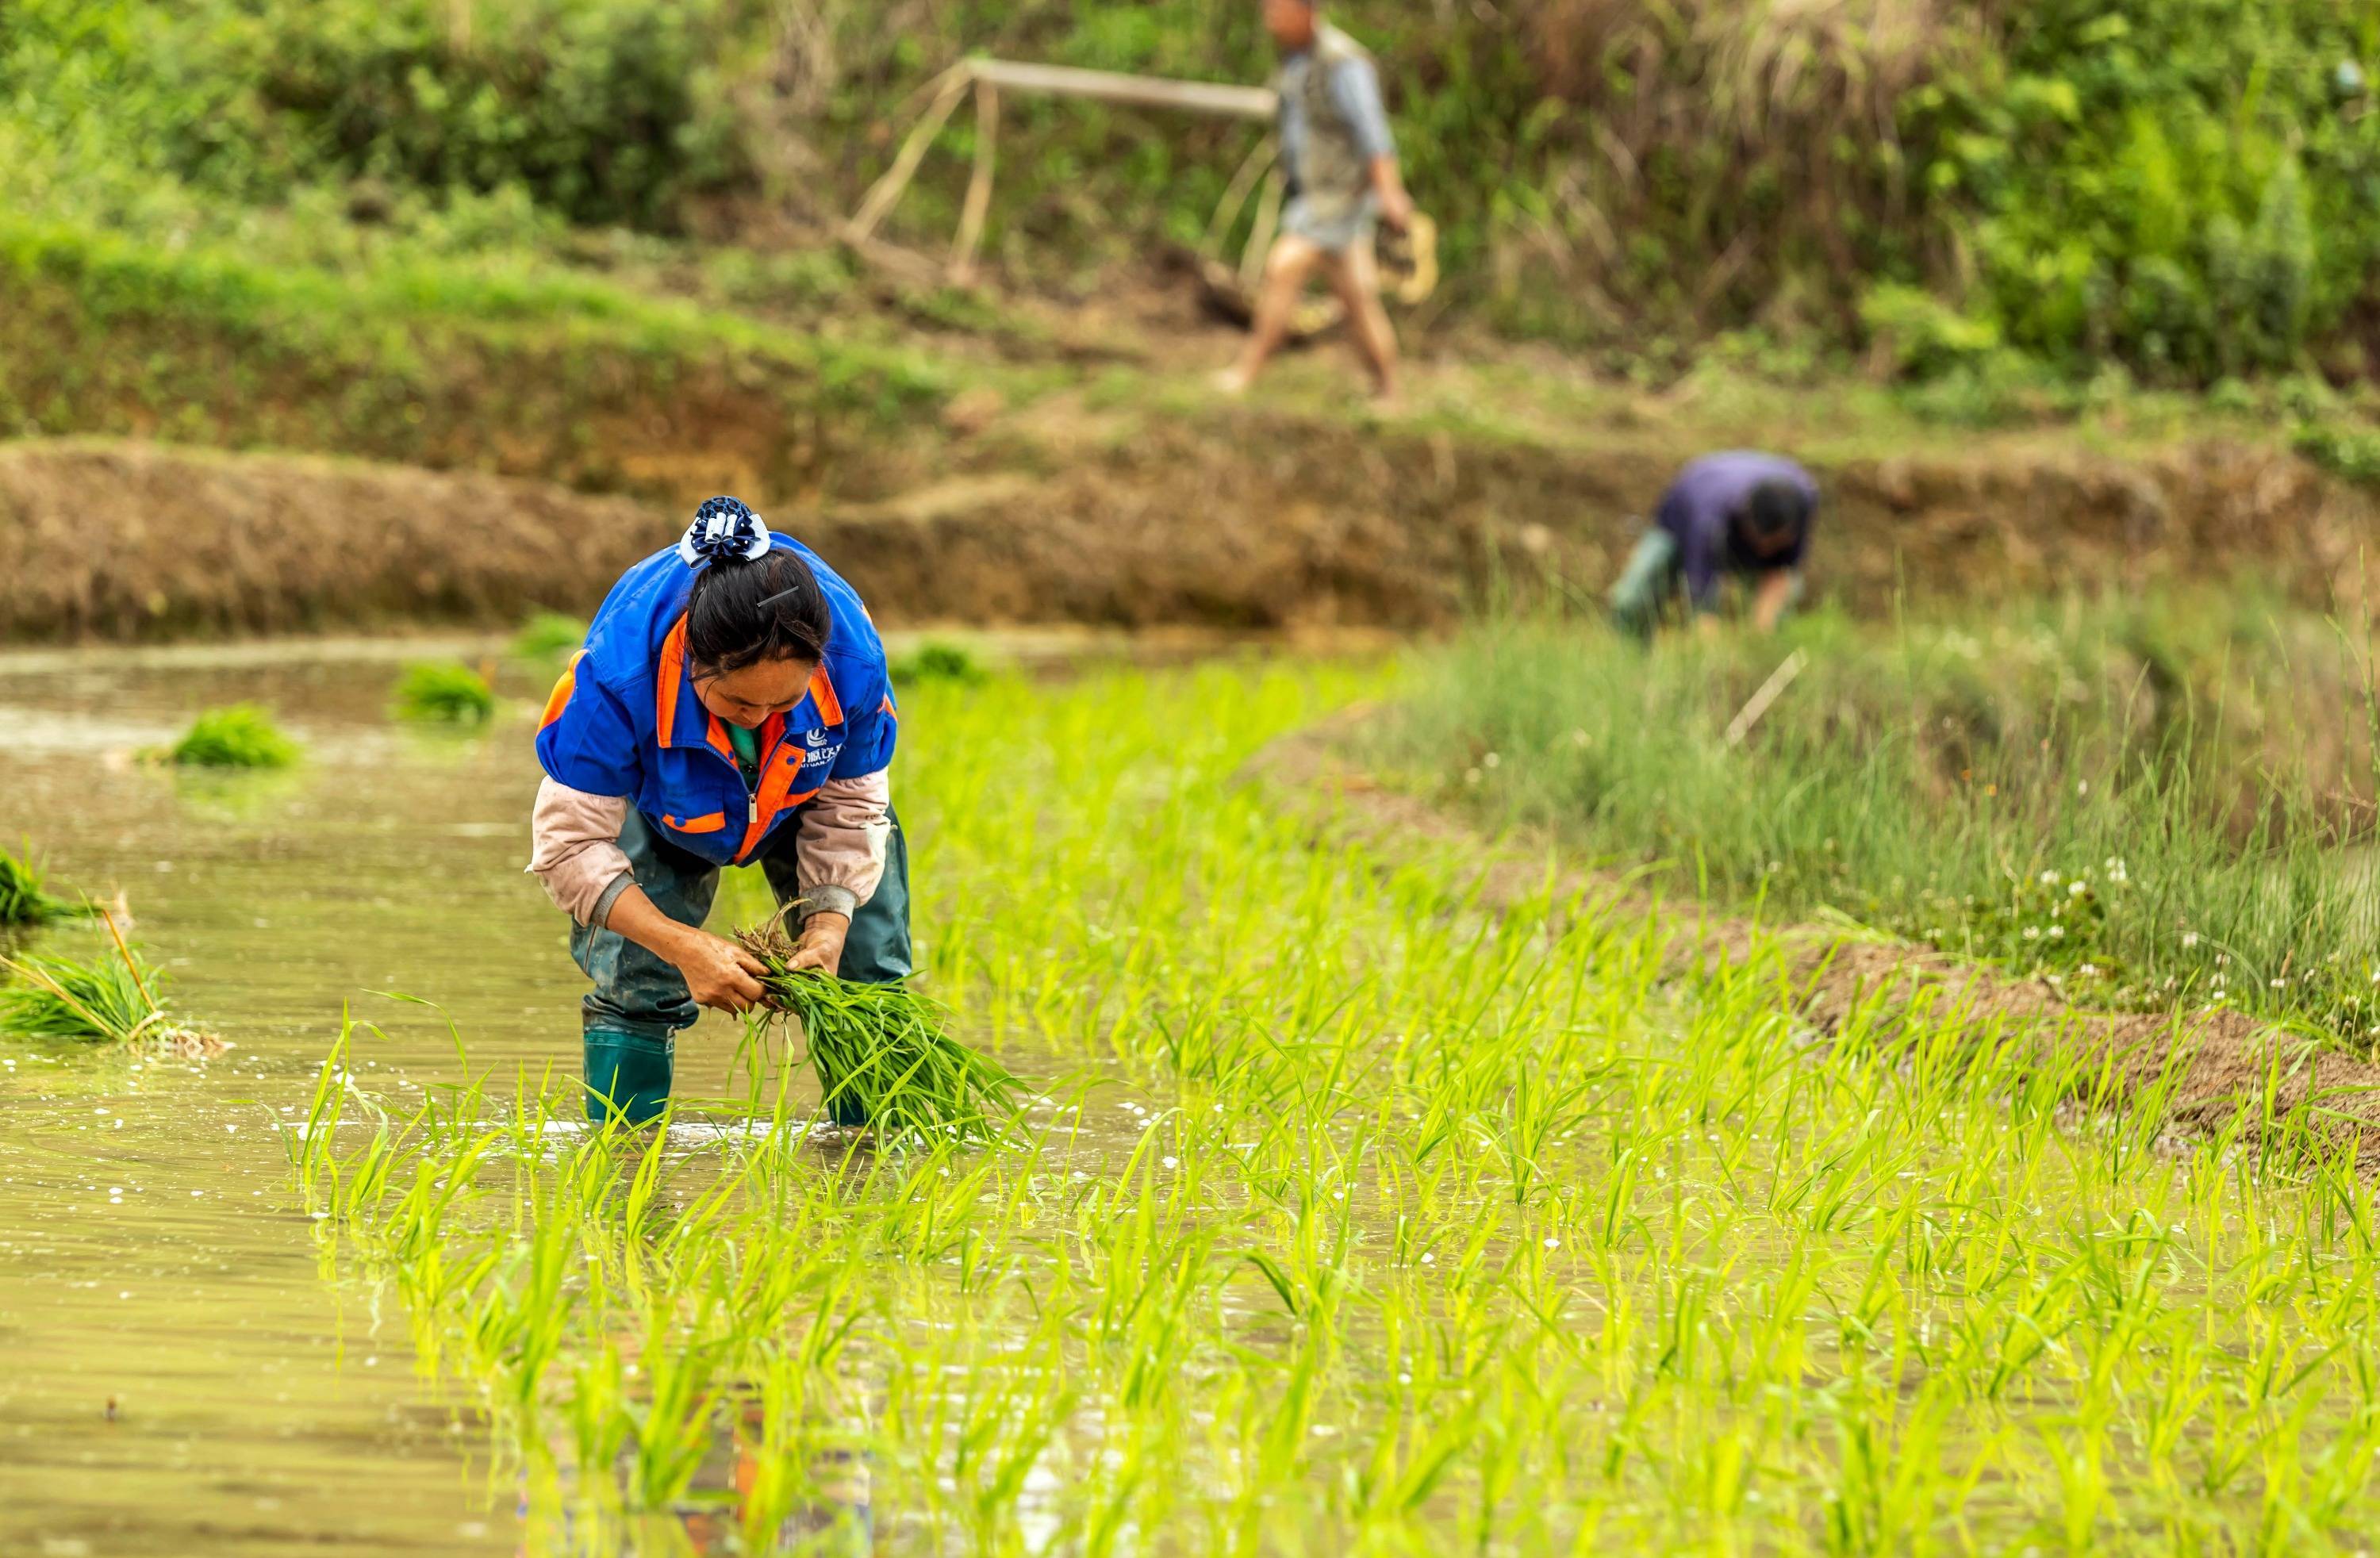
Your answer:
<point x="822" y="943"/>
<point x="721" y="974"/>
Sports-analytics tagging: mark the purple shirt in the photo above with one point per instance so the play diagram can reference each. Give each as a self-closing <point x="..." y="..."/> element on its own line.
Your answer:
<point x="1697" y="509"/>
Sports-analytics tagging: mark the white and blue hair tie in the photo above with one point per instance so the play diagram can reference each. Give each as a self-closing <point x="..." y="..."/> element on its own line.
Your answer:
<point x="723" y="528"/>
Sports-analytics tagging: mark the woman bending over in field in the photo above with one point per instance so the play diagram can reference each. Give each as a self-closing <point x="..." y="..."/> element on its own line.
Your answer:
<point x="731" y="706"/>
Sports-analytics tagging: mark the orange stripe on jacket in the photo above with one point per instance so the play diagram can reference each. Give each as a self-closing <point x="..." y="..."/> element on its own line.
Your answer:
<point x="561" y="691"/>
<point x="667" y="681"/>
<point x="829" y="707"/>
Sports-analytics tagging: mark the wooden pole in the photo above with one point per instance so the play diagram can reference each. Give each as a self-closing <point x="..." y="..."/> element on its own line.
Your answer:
<point x="888" y="190"/>
<point x="1134" y="91"/>
<point x="979" y="195"/>
<point x="1778" y="680"/>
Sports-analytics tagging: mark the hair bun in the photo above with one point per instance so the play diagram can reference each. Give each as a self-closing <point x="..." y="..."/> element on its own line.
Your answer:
<point x="723" y="528"/>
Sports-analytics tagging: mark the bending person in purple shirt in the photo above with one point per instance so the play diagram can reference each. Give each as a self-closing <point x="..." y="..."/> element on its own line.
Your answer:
<point x="1740" y="513"/>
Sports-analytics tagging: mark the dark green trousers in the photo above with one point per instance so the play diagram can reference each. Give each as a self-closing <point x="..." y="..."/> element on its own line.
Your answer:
<point x="639" y="1003"/>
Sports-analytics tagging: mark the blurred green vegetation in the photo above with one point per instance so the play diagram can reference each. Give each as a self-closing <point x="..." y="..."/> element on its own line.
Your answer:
<point x="1985" y="196"/>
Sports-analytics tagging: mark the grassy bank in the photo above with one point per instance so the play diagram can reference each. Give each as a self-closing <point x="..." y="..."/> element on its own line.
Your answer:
<point x="2149" y="799"/>
<point x="522" y="368"/>
<point x="1355" y="1220"/>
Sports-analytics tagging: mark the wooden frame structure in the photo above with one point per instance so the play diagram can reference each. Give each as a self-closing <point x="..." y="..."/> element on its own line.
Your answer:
<point x="1233" y="287"/>
<point x="988" y="78"/>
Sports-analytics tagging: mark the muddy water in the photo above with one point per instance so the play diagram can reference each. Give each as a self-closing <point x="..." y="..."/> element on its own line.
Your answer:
<point x="176" y="1377"/>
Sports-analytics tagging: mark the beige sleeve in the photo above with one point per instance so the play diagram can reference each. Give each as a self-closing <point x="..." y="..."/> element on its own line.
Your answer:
<point x="839" y="853"/>
<point x="575" y="850"/>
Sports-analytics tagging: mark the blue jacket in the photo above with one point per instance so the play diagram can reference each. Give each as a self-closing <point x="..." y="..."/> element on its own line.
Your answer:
<point x="625" y="720"/>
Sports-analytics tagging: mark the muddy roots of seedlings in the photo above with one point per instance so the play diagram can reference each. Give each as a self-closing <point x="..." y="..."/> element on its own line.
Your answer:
<point x="883" y="1052"/>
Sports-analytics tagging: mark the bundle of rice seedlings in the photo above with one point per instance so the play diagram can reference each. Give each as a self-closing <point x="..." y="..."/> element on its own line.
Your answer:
<point x="240" y="735"/>
<point x="939" y="662"/>
<point x="548" y="636"/>
<point x="109" y="1000"/>
<point x="444" y="692"/>
<point x="25" y="898"/>
<point x="882" y="1052"/>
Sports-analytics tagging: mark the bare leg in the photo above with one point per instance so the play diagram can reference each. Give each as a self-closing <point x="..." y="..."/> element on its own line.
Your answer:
<point x="1356" y="276"/>
<point x="1286" y="269"/>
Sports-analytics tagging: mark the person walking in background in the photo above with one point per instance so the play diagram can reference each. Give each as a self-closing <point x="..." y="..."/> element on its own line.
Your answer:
<point x="1740" y="513"/>
<point x="1344" y="179"/>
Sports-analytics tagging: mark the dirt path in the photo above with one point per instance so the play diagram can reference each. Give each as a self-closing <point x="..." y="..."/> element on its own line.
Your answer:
<point x="2207" y="1071"/>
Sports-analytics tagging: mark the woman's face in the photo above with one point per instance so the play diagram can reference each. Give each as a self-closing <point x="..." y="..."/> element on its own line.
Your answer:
<point x="750" y="695"/>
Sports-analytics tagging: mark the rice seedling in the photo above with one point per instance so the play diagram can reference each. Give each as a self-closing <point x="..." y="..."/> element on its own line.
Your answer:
<point x="1363" y="1218"/>
<point x="25" y="897"/>
<point x="548" y="636"/>
<point x="444" y="692"/>
<point x="237" y="735"/>
<point x="881" y="1052"/>
<point x="939" y="662"/>
<point x="117" y="998"/>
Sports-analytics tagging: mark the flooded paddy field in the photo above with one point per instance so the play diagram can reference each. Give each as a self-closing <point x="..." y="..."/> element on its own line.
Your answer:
<point x="1348" y="1216"/>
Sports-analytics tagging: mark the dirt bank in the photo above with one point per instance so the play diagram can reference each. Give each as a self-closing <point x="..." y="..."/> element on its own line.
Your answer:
<point x="1234" y="517"/>
<point x="2201" y="1068"/>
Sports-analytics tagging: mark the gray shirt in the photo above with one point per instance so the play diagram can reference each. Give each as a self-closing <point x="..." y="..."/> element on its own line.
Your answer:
<point x="1354" y="87"/>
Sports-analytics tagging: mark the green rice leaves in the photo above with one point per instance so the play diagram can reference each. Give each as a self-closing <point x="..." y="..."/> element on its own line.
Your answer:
<point x="444" y="692"/>
<point x="237" y="735"/>
<point x="25" y="898"/>
<point x="883" y="1051"/>
<point x="118" y="998"/>
<point x="548" y="636"/>
<point x="939" y="662"/>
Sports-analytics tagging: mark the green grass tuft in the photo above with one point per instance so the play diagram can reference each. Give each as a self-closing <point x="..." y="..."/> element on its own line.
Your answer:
<point x="116" y="998"/>
<point x="939" y="662"/>
<point x="548" y="636"/>
<point x="238" y="736"/>
<point x="884" y="1049"/>
<point x="444" y="692"/>
<point x="25" y="898"/>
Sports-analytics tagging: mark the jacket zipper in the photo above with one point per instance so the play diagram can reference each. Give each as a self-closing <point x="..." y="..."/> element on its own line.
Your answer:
<point x="752" y="787"/>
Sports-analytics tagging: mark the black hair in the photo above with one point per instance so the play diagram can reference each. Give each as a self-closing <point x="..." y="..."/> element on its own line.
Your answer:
<point x="742" y="613"/>
<point x="1777" y="510"/>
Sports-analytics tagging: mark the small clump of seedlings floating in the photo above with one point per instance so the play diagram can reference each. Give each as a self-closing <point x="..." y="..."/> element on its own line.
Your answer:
<point x="939" y="662"/>
<point x="548" y="636"/>
<point x="25" y="897"/>
<point x="115" y="1000"/>
<point x="882" y="1051"/>
<point x="444" y="692"/>
<point x="237" y="735"/>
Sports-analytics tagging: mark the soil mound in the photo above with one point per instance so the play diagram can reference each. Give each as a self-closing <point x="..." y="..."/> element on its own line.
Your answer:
<point x="143" y="542"/>
<point x="1051" y="515"/>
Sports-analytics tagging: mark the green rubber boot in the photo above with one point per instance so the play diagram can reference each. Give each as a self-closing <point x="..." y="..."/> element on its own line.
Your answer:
<point x="627" y="1073"/>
